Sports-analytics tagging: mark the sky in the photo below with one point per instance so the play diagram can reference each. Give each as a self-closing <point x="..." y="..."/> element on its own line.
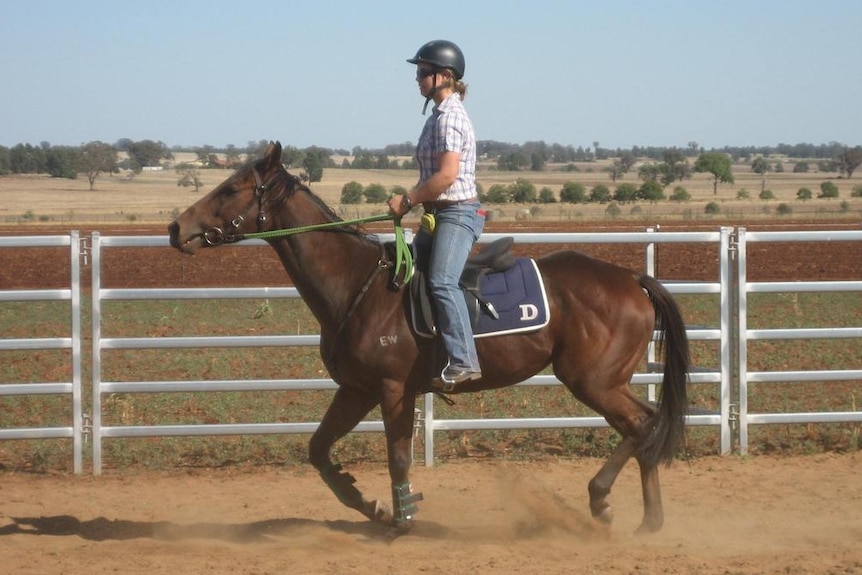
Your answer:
<point x="332" y="73"/>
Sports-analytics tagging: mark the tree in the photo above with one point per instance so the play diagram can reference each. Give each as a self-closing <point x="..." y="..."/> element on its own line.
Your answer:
<point x="848" y="160"/>
<point x="312" y="169"/>
<point x="761" y="166"/>
<point x="573" y="192"/>
<point x="717" y="164"/>
<point x="189" y="176"/>
<point x="63" y="161"/>
<point x="675" y="167"/>
<point x="4" y="161"/>
<point x="616" y="170"/>
<point x="147" y="153"/>
<point x="98" y="157"/>
<point x="351" y="193"/>
<point x="649" y="171"/>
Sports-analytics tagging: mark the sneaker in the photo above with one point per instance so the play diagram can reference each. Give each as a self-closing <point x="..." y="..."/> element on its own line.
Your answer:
<point x="453" y="376"/>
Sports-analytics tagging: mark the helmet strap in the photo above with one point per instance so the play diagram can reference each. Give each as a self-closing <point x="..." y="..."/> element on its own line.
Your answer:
<point x="430" y="96"/>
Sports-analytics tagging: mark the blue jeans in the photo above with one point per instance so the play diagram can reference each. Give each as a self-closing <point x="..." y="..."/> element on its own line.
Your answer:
<point x="458" y="227"/>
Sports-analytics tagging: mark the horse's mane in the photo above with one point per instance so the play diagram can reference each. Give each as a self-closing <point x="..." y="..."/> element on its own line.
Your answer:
<point x="293" y="184"/>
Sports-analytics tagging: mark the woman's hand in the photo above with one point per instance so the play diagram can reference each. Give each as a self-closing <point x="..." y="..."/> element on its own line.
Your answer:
<point x="400" y="204"/>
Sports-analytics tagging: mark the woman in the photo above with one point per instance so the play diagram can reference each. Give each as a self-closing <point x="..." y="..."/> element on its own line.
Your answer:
<point x="446" y="154"/>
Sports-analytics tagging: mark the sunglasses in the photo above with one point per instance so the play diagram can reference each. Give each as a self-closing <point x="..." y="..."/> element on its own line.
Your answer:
<point x="425" y="72"/>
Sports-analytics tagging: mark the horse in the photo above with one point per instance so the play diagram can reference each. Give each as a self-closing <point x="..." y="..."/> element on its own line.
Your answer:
<point x="602" y="319"/>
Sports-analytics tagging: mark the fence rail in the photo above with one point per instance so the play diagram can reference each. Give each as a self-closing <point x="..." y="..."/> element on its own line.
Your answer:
<point x="72" y="342"/>
<point x="731" y="334"/>
<point x="746" y="335"/>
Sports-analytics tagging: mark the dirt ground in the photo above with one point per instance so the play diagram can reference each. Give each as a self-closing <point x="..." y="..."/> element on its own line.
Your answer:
<point x="723" y="516"/>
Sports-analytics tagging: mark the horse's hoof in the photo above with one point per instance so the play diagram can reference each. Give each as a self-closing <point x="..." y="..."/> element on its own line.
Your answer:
<point x="379" y="511"/>
<point x="649" y="527"/>
<point x="605" y="516"/>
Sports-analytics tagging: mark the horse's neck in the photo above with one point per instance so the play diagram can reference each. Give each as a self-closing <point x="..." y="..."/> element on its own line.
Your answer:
<point x="328" y="268"/>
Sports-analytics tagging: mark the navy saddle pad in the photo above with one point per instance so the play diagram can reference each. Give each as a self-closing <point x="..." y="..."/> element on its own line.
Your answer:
<point x="516" y="294"/>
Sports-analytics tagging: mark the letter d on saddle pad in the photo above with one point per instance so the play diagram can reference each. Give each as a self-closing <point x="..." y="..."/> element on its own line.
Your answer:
<point x="517" y="295"/>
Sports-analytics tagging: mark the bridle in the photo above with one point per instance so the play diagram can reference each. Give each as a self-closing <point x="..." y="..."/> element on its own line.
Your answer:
<point x="215" y="236"/>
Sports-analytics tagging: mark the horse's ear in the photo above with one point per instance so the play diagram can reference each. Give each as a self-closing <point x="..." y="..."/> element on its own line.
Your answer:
<point x="272" y="155"/>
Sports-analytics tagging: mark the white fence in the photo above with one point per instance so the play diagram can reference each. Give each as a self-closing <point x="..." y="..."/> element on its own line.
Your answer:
<point x="732" y="319"/>
<point x="747" y="377"/>
<point x="72" y="342"/>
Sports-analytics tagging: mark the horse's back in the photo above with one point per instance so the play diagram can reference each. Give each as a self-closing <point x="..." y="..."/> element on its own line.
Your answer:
<point x="591" y="290"/>
<point x="576" y="268"/>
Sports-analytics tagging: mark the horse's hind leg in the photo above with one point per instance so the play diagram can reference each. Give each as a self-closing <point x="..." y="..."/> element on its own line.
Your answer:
<point x="600" y="485"/>
<point x="348" y="407"/>
<point x="653" y="511"/>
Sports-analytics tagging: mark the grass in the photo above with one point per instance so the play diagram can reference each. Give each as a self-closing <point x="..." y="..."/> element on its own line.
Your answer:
<point x="270" y="317"/>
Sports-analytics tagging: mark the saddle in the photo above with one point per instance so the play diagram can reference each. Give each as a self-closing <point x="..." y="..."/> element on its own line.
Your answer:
<point x="494" y="275"/>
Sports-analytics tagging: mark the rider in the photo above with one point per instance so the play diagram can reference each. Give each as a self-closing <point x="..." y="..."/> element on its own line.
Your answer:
<point x="446" y="154"/>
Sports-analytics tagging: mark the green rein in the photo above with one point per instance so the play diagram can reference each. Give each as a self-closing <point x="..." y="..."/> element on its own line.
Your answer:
<point x="403" y="253"/>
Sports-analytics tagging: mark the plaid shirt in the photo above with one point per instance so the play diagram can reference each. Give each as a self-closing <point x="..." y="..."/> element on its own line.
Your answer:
<point x="449" y="129"/>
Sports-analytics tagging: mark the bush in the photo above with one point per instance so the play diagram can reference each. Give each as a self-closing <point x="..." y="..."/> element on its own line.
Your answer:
<point x="375" y="194"/>
<point x="680" y="194"/>
<point x="626" y="193"/>
<point x="573" y="192"/>
<point x="766" y="195"/>
<point x="742" y="194"/>
<point x="856" y="192"/>
<point x="651" y="191"/>
<point x="783" y="209"/>
<point x="600" y="194"/>
<point x="546" y="196"/>
<point x="712" y="208"/>
<point x="828" y="190"/>
<point x="351" y="193"/>
<point x="613" y="210"/>
<point x="804" y="194"/>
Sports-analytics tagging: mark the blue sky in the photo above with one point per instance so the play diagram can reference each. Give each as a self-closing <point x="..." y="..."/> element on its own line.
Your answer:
<point x="332" y="73"/>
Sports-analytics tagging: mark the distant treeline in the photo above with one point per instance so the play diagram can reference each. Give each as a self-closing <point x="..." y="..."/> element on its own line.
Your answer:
<point x="98" y="157"/>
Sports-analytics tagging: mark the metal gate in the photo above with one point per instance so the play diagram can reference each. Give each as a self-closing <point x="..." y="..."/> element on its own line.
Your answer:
<point x="72" y="342"/>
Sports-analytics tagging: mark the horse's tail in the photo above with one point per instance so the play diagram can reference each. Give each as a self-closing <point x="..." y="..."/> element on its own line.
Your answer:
<point x="664" y="438"/>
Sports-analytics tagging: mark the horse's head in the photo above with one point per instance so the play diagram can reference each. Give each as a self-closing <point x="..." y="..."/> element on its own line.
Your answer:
<point x="234" y="207"/>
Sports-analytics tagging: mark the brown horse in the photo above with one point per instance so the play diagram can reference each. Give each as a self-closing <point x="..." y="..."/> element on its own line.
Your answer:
<point x="602" y="318"/>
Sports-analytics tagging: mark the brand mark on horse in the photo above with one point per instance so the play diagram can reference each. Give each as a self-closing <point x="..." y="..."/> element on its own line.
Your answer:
<point x="386" y="340"/>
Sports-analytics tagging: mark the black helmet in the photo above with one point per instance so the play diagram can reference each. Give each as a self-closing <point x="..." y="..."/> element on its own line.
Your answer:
<point x="442" y="54"/>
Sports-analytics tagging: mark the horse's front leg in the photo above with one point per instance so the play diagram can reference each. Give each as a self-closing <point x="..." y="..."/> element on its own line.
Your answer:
<point x="347" y="409"/>
<point x="397" y="406"/>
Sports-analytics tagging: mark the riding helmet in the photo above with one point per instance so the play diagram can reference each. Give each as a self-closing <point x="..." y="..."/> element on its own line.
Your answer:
<point x="442" y="54"/>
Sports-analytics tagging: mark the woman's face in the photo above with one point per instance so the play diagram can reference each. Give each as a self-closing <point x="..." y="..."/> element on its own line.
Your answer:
<point x="426" y="76"/>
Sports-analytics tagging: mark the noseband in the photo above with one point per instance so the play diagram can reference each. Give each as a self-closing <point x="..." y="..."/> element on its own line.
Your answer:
<point x="215" y="236"/>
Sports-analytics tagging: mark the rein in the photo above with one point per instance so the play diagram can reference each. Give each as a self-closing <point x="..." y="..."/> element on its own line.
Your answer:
<point x="215" y="236"/>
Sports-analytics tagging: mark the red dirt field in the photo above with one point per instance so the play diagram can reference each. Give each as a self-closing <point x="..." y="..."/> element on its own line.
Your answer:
<point x="724" y="516"/>
<point x="259" y="266"/>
